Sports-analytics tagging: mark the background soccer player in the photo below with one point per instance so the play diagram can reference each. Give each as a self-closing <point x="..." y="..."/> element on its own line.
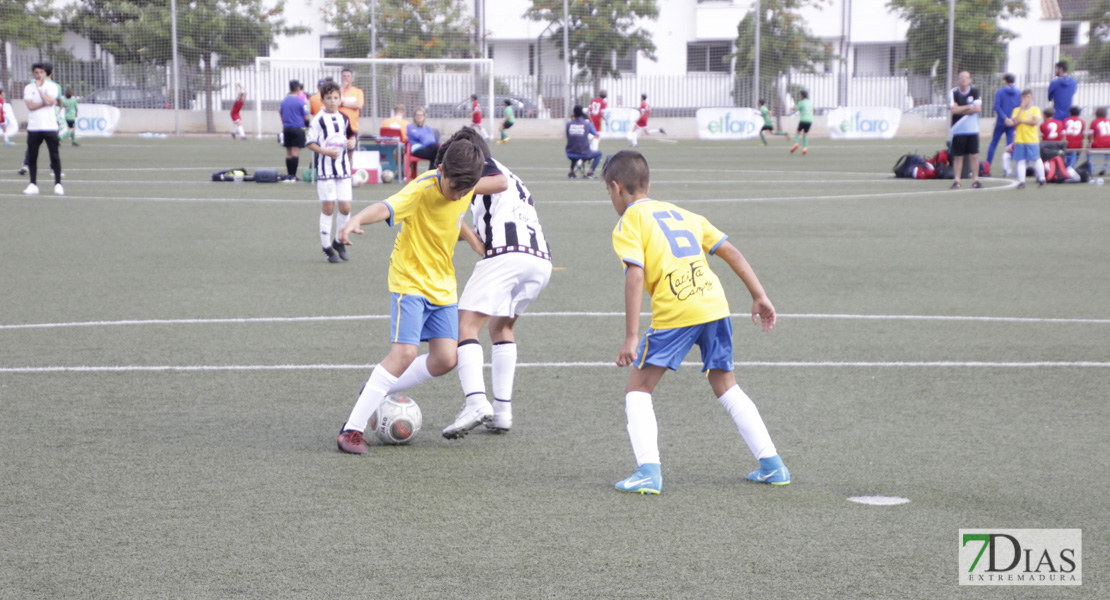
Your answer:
<point x="805" y="122"/>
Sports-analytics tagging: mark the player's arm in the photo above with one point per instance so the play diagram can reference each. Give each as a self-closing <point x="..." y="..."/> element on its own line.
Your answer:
<point x="491" y="184"/>
<point x="332" y="152"/>
<point x="763" y="312"/>
<point x="375" y="213"/>
<point x="466" y="234"/>
<point x="633" y="294"/>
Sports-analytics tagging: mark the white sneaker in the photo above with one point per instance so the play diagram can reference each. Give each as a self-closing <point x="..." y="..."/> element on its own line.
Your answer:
<point x="501" y="421"/>
<point x="469" y="418"/>
<point x="31" y="189"/>
<point x="59" y="190"/>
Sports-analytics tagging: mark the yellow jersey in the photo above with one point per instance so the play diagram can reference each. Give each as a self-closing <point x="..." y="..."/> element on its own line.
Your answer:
<point x="670" y="244"/>
<point x="1026" y="134"/>
<point x="421" y="262"/>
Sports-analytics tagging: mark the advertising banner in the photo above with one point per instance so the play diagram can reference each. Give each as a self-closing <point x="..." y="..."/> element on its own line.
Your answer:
<point x="620" y="122"/>
<point x="870" y="123"/>
<point x="96" y="120"/>
<point x="728" y="123"/>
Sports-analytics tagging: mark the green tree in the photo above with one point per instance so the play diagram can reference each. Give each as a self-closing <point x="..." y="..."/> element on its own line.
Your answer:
<point x="405" y="28"/>
<point x="785" y="45"/>
<point x="980" y="41"/>
<point x="26" y="24"/>
<point x="1096" y="56"/>
<point x="211" y="33"/>
<point x="598" y="32"/>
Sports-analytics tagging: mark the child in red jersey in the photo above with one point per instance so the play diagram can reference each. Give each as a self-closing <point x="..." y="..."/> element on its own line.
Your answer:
<point x="1100" y="137"/>
<point x="1052" y="130"/>
<point x="240" y="100"/>
<point x="1073" y="133"/>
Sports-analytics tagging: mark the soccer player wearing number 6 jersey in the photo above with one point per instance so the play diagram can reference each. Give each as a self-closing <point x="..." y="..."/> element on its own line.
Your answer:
<point x="663" y="249"/>
<point x="515" y="267"/>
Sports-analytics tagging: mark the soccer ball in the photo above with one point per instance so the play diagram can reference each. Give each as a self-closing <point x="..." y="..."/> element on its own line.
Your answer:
<point x="387" y="176"/>
<point x="397" y="420"/>
<point x="359" y="177"/>
<point x="336" y="140"/>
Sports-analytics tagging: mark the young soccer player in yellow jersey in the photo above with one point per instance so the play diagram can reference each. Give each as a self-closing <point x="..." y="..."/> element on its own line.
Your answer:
<point x="1026" y="120"/>
<point x="663" y="249"/>
<point x="424" y="305"/>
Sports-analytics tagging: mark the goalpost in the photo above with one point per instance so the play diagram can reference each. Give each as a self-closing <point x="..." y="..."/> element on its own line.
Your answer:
<point x="442" y="86"/>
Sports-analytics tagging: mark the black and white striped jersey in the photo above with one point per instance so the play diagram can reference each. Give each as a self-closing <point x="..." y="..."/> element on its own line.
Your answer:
<point x="507" y="222"/>
<point x="334" y="129"/>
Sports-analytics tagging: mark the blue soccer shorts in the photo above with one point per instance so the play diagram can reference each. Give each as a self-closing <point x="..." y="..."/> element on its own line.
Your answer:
<point x="413" y="319"/>
<point x="1027" y="152"/>
<point x="667" y="347"/>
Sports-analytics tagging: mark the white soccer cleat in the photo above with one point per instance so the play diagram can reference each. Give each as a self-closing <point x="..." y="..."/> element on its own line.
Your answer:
<point x="500" y="422"/>
<point x="469" y="418"/>
<point x="59" y="190"/>
<point x="31" y="189"/>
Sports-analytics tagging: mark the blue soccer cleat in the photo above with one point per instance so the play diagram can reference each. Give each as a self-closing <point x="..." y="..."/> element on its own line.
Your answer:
<point x="772" y="471"/>
<point x="646" y="480"/>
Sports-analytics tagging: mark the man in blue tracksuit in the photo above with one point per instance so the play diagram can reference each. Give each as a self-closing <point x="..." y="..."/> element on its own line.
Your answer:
<point x="1006" y="99"/>
<point x="579" y="133"/>
<point x="1062" y="89"/>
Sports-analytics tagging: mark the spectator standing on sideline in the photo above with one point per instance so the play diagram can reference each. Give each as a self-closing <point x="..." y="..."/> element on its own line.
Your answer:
<point x="42" y="126"/>
<point x="1006" y="99"/>
<point x="422" y="139"/>
<point x="353" y="101"/>
<point x="1062" y="89"/>
<point x="965" y="103"/>
<point x="294" y="118"/>
<point x="316" y="101"/>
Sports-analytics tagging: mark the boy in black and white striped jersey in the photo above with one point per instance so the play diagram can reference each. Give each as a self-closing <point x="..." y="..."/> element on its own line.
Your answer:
<point x="330" y="136"/>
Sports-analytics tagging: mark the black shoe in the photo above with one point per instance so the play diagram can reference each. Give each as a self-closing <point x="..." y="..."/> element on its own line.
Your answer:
<point x="570" y="175"/>
<point x="662" y="131"/>
<point x="976" y="185"/>
<point x="332" y="258"/>
<point x="1040" y="184"/>
<point x="591" y="175"/>
<point x="955" y="186"/>
<point x="340" y="249"/>
<point x="75" y="144"/>
<point x="1021" y="186"/>
<point x="22" y="170"/>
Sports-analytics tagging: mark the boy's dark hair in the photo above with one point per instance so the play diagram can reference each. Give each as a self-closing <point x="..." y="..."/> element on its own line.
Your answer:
<point x="628" y="168"/>
<point x="69" y="92"/>
<point x="1009" y="78"/>
<point x="1026" y="92"/>
<point x="462" y="164"/>
<point x="1049" y="112"/>
<point x="1075" y="110"/>
<point x="578" y="112"/>
<point x="603" y="94"/>
<point x="804" y="94"/>
<point x="1063" y="65"/>
<point x="45" y="66"/>
<point x="508" y="102"/>
<point x="474" y="96"/>
<point x="762" y="101"/>
<point x="347" y="70"/>
<point x="328" y="88"/>
<point x="468" y="134"/>
<point x="643" y="96"/>
<point x="1100" y="112"/>
<point x="294" y="85"/>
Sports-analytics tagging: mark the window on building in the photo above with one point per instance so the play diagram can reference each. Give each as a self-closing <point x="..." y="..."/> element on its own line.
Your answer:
<point x="1069" y="34"/>
<point x="708" y="57"/>
<point x="626" y="63"/>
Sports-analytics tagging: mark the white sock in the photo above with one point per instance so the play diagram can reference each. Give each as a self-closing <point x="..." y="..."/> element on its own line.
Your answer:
<point x="471" y="376"/>
<point x="634" y="136"/>
<point x="341" y="220"/>
<point x="643" y="431"/>
<point x="504" y="368"/>
<point x="1019" y="174"/>
<point x="1038" y="168"/>
<point x="654" y="131"/>
<point x="1007" y="163"/>
<point x="416" y="374"/>
<point x="748" y="421"/>
<point x="325" y="230"/>
<point x="240" y="132"/>
<point x="370" y="399"/>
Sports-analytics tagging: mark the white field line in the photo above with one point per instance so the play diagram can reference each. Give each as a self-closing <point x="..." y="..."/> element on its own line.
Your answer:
<point x="532" y="315"/>
<point x="552" y="365"/>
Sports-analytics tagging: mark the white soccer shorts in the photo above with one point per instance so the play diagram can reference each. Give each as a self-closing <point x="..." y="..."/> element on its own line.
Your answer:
<point x="503" y="286"/>
<point x="330" y="190"/>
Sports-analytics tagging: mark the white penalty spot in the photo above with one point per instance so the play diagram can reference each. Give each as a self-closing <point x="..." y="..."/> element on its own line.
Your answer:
<point x="879" y="500"/>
